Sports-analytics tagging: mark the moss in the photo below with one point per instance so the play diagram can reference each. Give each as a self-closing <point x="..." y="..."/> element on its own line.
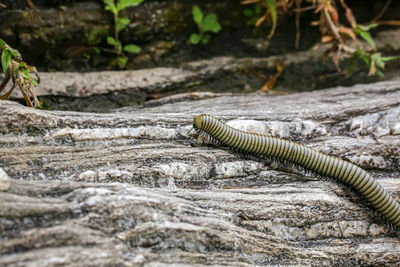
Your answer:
<point x="43" y="104"/>
<point x="97" y="34"/>
<point x="176" y="17"/>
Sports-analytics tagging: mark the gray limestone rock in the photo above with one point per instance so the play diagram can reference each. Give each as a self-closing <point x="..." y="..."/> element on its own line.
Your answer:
<point x="133" y="188"/>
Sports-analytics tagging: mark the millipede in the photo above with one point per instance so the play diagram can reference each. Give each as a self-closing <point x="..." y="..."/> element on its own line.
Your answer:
<point x="322" y="164"/>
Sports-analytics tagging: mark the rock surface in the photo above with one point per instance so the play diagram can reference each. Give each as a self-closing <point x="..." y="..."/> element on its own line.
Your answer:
<point x="106" y="90"/>
<point x="131" y="187"/>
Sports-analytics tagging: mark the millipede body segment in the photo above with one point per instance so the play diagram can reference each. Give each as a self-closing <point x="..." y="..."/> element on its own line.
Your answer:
<point x="322" y="164"/>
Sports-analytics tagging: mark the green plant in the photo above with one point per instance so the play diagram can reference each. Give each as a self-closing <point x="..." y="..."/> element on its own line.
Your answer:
<point x="333" y="32"/>
<point x="42" y="104"/>
<point x="374" y="61"/>
<point x="257" y="16"/>
<point x="271" y="4"/>
<point x="205" y="24"/>
<point x="19" y="72"/>
<point x="363" y="32"/>
<point x="253" y="14"/>
<point x="115" y="7"/>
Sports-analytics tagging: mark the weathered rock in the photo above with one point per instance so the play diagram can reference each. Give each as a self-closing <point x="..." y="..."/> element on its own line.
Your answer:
<point x="128" y="188"/>
<point x="58" y="33"/>
<point x="116" y="89"/>
<point x="4" y="180"/>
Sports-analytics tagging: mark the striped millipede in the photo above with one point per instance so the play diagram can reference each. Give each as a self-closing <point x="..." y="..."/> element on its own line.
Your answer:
<point x="325" y="165"/>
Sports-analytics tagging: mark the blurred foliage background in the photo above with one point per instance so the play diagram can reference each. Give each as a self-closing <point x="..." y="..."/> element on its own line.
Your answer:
<point x="72" y="34"/>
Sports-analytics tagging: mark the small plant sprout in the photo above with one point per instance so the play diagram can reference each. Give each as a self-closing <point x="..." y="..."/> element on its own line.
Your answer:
<point x="373" y="59"/>
<point x="257" y="16"/>
<point x="19" y="72"/>
<point x="115" y="7"/>
<point x="205" y="24"/>
<point x="363" y="31"/>
<point x="253" y="14"/>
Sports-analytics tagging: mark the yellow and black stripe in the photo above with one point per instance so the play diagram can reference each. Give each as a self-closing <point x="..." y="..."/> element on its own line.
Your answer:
<point x="320" y="163"/>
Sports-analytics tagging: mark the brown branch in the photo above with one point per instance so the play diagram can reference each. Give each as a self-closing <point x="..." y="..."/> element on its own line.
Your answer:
<point x="5" y="81"/>
<point x="7" y="95"/>
<point x="382" y="12"/>
<point x="297" y="16"/>
<point x="332" y="26"/>
<point x="389" y="22"/>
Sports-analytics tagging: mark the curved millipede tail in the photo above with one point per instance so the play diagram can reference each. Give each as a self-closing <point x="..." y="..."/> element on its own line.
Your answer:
<point x="322" y="164"/>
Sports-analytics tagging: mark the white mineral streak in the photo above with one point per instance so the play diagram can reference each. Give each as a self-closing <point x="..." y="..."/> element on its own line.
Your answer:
<point x="378" y="124"/>
<point x="281" y="129"/>
<point x="4" y="180"/>
<point x="181" y="170"/>
<point x="105" y="175"/>
<point x="151" y="132"/>
<point x="237" y="168"/>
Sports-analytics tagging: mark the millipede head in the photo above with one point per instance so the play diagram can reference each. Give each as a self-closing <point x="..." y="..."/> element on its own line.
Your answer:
<point x="197" y="122"/>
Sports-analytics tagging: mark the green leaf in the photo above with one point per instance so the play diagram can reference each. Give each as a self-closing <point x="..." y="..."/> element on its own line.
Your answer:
<point x="210" y="23"/>
<point x="32" y="80"/>
<point x="205" y="39"/>
<point x="376" y="57"/>
<point x="379" y="73"/>
<point x="390" y="58"/>
<point x="274" y="15"/>
<point x="380" y="64"/>
<point x="367" y="37"/>
<point x="362" y="30"/>
<point x="42" y="105"/>
<point x="197" y="15"/>
<point x="366" y="59"/>
<point x="5" y="59"/>
<point x="121" y="23"/>
<point x="352" y="66"/>
<point x="115" y="43"/>
<point x="109" y="3"/>
<point x="86" y="56"/>
<point x="96" y="50"/>
<point x="2" y="44"/>
<point x="118" y="47"/>
<point x="253" y="14"/>
<point x="96" y="34"/>
<point x="111" y="40"/>
<point x="14" y="52"/>
<point x="110" y="6"/>
<point x="121" y="61"/>
<point x="248" y="12"/>
<point x="360" y="54"/>
<point x="195" y="38"/>
<point x="368" y="27"/>
<point x="258" y="9"/>
<point x="122" y="4"/>
<point x="132" y="48"/>
<point x="22" y="68"/>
